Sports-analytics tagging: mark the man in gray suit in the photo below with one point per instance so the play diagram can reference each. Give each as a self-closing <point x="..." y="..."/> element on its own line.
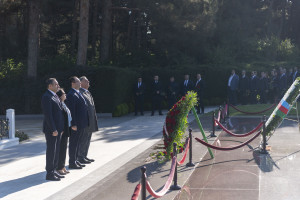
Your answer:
<point x="93" y="124"/>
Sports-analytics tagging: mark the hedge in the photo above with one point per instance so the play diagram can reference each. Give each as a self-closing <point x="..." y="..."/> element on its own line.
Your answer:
<point x="112" y="87"/>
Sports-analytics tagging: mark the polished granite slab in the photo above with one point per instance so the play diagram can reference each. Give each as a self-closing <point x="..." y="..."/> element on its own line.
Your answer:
<point x="245" y="173"/>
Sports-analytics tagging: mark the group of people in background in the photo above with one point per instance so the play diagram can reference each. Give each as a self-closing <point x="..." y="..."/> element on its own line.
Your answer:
<point x="172" y="92"/>
<point x="73" y="116"/>
<point x="260" y="88"/>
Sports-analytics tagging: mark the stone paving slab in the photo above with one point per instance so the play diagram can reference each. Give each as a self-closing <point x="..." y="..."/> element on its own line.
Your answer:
<point x="121" y="184"/>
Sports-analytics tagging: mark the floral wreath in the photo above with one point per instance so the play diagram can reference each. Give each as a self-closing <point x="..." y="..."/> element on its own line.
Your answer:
<point x="176" y="122"/>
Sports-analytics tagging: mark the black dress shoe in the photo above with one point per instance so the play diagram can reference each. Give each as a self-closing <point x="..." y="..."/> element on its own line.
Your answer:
<point x="74" y="166"/>
<point x="58" y="175"/>
<point x="84" y="161"/>
<point x="52" y="177"/>
<point x="160" y="114"/>
<point x="89" y="159"/>
<point x="142" y="114"/>
<point x="80" y="164"/>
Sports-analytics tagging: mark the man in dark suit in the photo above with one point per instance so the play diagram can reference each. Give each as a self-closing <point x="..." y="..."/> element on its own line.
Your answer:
<point x="263" y="87"/>
<point x="53" y="126"/>
<point x="282" y="82"/>
<point x="244" y="87"/>
<point x="253" y="87"/>
<point x="187" y="85"/>
<point x="139" y="90"/>
<point x="233" y="85"/>
<point x="290" y="77"/>
<point x="199" y="88"/>
<point x="80" y="120"/>
<point x="84" y="143"/>
<point x="156" y="90"/>
<point x="172" y="92"/>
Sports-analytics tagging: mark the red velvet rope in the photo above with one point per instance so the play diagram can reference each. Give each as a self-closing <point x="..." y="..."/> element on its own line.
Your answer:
<point x="228" y="148"/>
<point x="240" y="135"/>
<point x="167" y="185"/>
<point x="136" y="192"/>
<point x="252" y="113"/>
<point x="186" y="149"/>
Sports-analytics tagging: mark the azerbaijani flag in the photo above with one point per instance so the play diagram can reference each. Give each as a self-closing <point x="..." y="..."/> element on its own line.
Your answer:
<point x="283" y="109"/>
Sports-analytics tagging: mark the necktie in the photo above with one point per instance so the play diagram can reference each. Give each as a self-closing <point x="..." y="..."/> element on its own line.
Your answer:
<point x="185" y="83"/>
<point x="82" y="97"/>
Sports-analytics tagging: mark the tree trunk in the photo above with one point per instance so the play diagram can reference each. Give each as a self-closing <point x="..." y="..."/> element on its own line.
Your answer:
<point x="74" y="27"/>
<point x="33" y="37"/>
<point x="83" y="32"/>
<point x="106" y="30"/>
<point x="94" y="30"/>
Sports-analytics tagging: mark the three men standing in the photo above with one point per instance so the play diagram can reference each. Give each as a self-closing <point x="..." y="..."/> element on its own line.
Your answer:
<point x="53" y="126"/>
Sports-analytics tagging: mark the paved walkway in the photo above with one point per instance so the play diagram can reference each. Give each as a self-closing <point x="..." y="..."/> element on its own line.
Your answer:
<point x="118" y="141"/>
<point x="245" y="173"/>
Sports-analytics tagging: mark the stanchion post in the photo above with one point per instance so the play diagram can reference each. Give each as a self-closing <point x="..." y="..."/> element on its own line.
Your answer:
<point x="190" y="163"/>
<point x="213" y="125"/>
<point x="143" y="181"/>
<point x="175" y="186"/>
<point x="264" y="144"/>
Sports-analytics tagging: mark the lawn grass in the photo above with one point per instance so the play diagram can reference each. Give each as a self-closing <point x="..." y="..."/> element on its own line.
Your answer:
<point x="257" y="108"/>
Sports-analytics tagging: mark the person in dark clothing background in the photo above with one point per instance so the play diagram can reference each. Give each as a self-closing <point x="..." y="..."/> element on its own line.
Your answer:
<point x="282" y="83"/>
<point x="139" y="90"/>
<point x="233" y="84"/>
<point x="253" y="87"/>
<point x="244" y="88"/>
<point x="187" y="85"/>
<point x="172" y="92"/>
<point x="156" y="90"/>
<point x="263" y="87"/>
<point x="274" y="87"/>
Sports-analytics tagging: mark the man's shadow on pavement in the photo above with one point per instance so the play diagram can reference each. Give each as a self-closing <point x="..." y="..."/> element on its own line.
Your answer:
<point x="16" y="185"/>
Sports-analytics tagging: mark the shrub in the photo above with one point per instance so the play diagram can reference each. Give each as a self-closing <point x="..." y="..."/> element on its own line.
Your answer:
<point x="21" y="135"/>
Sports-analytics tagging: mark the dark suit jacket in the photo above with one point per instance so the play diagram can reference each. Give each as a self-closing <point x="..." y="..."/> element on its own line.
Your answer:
<point x="263" y="84"/>
<point x="156" y="87"/>
<point x="185" y="89"/>
<point x="254" y="83"/>
<point x="282" y="83"/>
<point x="199" y="88"/>
<point x="172" y="87"/>
<point x="78" y="109"/>
<point x="244" y="83"/>
<point x="140" y="90"/>
<point x="234" y="84"/>
<point x="93" y="121"/>
<point x="53" y="116"/>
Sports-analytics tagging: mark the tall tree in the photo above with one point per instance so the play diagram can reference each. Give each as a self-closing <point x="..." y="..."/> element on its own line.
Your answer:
<point x="83" y="32"/>
<point x="94" y="26"/>
<point x="33" y="37"/>
<point x="74" y="26"/>
<point x="106" y="31"/>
